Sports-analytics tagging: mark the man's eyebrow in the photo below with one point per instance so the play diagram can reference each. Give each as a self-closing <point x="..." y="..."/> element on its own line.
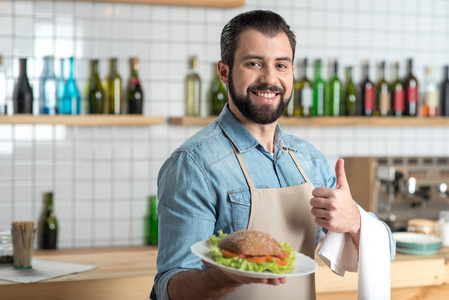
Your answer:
<point x="248" y="57"/>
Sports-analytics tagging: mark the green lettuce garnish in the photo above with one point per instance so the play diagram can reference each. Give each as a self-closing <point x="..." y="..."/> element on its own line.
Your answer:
<point x="243" y="264"/>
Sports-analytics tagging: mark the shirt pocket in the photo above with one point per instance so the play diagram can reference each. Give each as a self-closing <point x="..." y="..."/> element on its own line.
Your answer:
<point x="240" y="208"/>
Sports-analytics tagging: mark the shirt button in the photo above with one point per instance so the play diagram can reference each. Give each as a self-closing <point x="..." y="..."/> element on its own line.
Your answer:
<point x="284" y="148"/>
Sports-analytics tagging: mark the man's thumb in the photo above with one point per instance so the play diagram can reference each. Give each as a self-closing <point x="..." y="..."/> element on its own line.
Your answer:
<point x="342" y="182"/>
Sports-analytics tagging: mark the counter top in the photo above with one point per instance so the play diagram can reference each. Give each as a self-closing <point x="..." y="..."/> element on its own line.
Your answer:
<point x="128" y="273"/>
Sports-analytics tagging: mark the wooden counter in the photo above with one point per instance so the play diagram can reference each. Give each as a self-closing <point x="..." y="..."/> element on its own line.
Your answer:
<point x="128" y="273"/>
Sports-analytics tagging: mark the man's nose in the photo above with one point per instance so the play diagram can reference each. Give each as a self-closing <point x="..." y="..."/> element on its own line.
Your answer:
<point x="268" y="76"/>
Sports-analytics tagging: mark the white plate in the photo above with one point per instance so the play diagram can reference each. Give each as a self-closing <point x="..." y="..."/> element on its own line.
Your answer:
<point x="303" y="265"/>
<point x="415" y="238"/>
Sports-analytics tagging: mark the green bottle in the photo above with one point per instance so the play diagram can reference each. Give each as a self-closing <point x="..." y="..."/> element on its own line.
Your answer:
<point x="350" y="94"/>
<point x="48" y="225"/>
<point x="193" y="89"/>
<point x="303" y="96"/>
<point x="218" y="94"/>
<point x="318" y="91"/>
<point x="95" y="95"/>
<point x="151" y="222"/>
<point x="114" y="89"/>
<point x="333" y="95"/>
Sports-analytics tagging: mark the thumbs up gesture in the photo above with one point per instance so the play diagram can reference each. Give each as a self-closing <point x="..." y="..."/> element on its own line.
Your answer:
<point x="335" y="209"/>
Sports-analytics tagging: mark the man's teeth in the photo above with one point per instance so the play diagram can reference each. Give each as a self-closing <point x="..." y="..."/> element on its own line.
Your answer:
<point x="266" y="95"/>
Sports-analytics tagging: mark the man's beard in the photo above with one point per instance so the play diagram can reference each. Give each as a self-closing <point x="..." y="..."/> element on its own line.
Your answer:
<point x="254" y="110"/>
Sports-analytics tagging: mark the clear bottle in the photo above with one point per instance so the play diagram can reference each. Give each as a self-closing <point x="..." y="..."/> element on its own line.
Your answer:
<point x="411" y="91"/>
<point x="383" y="94"/>
<point x="151" y="222"/>
<point x="23" y="93"/>
<point x="444" y="97"/>
<point x="318" y="91"/>
<point x="303" y="95"/>
<point x="48" y="92"/>
<point x="193" y="89"/>
<point x="95" y="94"/>
<point x="48" y="224"/>
<point x="71" y="101"/>
<point x="134" y="90"/>
<point x="218" y="93"/>
<point x="429" y="107"/>
<point x="60" y="85"/>
<point x="3" y="100"/>
<point x="368" y="94"/>
<point x="114" y="89"/>
<point x="350" y="94"/>
<point x="398" y="99"/>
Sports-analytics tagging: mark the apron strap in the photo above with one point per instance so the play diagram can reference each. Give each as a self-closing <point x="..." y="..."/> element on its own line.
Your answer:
<point x="243" y="167"/>
<point x="299" y="166"/>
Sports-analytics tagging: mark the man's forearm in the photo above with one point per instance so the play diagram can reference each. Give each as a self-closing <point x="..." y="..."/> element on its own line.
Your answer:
<point x="201" y="284"/>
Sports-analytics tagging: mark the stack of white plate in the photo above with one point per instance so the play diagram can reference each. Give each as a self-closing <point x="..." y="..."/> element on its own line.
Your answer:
<point x="416" y="243"/>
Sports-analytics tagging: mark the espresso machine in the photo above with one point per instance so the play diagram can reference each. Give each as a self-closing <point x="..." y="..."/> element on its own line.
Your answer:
<point x="398" y="189"/>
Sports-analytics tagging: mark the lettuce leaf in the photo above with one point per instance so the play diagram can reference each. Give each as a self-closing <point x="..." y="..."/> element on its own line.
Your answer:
<point x="243" y="264"/>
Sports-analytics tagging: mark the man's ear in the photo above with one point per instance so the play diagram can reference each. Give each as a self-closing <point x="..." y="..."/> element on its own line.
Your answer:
<point x="223" y="72"/>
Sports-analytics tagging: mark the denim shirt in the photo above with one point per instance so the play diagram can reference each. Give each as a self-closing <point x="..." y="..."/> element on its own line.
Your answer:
<point x="202" y="189"/>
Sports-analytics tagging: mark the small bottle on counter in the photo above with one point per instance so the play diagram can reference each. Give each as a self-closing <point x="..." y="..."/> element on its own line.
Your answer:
<point x="443" y="224"/>
<point x="151" y="221"/>
<point x="48" y="225"/>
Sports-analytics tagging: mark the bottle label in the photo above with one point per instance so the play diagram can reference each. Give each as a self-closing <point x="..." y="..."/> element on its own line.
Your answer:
<point x="134" y="81"/>
<point x="412" y="94"/>
<point x="432" y="98"/>
<point x="399" y="101"/>
<point x="306" y="97"/>
<point x="369" y="98"/>
<point x="384" y="102"/>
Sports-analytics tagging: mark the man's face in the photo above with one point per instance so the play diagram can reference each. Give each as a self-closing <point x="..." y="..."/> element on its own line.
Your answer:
<point x="261" y="80"/>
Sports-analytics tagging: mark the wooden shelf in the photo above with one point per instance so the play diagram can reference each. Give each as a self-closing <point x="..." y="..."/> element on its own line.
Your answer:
<point x="84" y="120"/>
<point x="204" y="3"/>
<point x="332" y="121"/>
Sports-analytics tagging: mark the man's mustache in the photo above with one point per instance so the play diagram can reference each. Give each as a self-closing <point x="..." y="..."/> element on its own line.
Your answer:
<point x="265" y="87"/>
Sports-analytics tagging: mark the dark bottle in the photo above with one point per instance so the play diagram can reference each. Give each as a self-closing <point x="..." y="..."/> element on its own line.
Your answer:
<point x="134" y="91"/>
<point x="318" y="91"/>
<point x="218" y="93"/>
<point x="95" y="94"/>
<point x="383" y="94"/>
<point x="114" y="90"/>
<point x="411" y="91"/>
<point x="23" y="94"/>
<point x="444" y="97"/>
<point x="398" y="101"/>
<point x="303" y="95"/>
<point x="48" y="92"/>
<point x="151" y="222"/>
<point x="48" y="225"/>
<point x="350" y="94"/>
<point x="368" y="94"/>
<point x="332" y="106"/>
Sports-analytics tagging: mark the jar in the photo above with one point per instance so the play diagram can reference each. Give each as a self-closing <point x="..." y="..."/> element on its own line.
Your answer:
<point x="443" y="224"/>
<point x="6" y="250"/>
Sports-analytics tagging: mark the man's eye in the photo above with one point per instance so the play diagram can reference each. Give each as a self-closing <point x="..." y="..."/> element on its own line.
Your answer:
<point x="253" y="64"/>
<point x="282" y="66"/>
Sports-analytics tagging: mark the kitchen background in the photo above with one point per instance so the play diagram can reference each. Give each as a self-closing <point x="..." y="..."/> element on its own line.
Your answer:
<point x="102" y="176"/>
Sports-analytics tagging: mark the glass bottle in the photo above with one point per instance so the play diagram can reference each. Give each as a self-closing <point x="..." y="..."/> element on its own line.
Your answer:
<point x="3" y="101"/>
<point x="350" y="94"/>
<point x="193" y="89"/>
<point x="48" y="224"/>
<point x="368" y="94"/>
<point x="444" y="99"/>
<point x="383" y="94"/>
<point x="71" y="101"/>
<point x="95" y="94"/>
<point x="151" y="222"/>
<point x="114" y="89"/>
<point x="411" y="91"/>
<point x="218" y="94"/>
<point x="332" y="106"/>
<point x="23" y="93"/>
<point x="60" y="85"/>
<point x="48" y="92"/>
<point x="398" y="101"/>
<point x="318" y="91"/>
<point x="134" y="91"/>
<point x="303" y="95"/>
<point x="429" y="107"/>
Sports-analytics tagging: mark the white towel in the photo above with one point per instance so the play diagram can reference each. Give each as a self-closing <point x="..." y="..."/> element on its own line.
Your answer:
<point x="338" y="251"/>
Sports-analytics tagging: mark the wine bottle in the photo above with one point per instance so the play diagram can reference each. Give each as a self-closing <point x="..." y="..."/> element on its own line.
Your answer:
<point x="151" y="222"/>
<point x="95" y="94"/>
<point x="383" y="93"/>
<point x="398" y="102"/>
<point x="444" y="99"/>
<point x="114" y="89"/>
<point x="23" y="93"/>
<point x="134" y="91"/>
<point x="60" y="85"/>
<point x="218" y="93"/>
<point x="350" y="94"/>
<point x="48" y="92"/>
<point x="3" y="102"/>
<point x="48" y="224"/>
<point x="71" y="101"/>
<point x="429" y="107"/>
<point x="303" y="95"/>
<point x="411" y="91"/>
<point x="318" y="91"/>
<point x="367" y="99"/>
<point x="333" y="104"/>
<point x="193" y="89"/>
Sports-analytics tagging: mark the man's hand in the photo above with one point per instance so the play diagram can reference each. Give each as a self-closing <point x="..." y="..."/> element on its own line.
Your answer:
<point x="335" y="209"/>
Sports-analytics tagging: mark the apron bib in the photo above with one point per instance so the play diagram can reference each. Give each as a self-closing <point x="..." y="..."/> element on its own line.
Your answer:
<point x="285" y="214"/>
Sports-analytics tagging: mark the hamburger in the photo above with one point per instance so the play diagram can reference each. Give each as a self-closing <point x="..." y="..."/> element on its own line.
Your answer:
<point x="252" y="250"/>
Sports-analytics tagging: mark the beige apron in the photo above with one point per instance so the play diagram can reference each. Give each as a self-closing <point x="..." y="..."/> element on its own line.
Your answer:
<point x="285" y="214"/>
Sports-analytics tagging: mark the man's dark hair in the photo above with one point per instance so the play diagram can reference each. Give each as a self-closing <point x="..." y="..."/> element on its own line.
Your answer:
<point x="267" y="22"/>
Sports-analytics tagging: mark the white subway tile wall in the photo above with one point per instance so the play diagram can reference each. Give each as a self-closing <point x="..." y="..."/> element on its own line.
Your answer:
<point x="102" y="176"/>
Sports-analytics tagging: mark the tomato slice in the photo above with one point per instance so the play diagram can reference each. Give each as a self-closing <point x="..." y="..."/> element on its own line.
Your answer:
<point x="228" y="253"/>
<point x="281" y="262"/>
<point x="286" y="254"/>
<point x="257" y="259"/>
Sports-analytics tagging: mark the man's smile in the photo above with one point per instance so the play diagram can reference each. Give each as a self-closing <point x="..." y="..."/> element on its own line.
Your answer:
<point x="266" y="96"/>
